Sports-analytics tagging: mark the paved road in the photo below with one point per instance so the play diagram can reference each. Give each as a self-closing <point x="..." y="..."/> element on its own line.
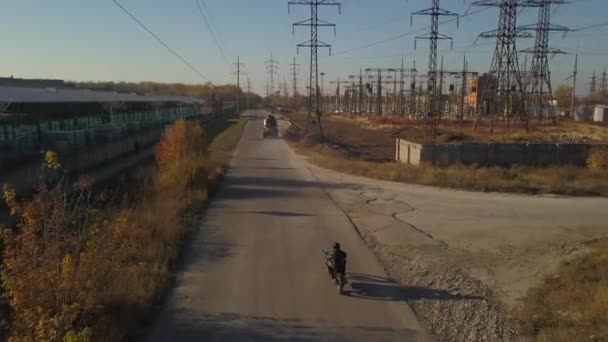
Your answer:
<point x="255" y="271"/>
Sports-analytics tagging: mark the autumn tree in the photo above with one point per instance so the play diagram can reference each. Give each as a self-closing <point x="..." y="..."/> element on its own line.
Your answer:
<point x="182" y="155"/>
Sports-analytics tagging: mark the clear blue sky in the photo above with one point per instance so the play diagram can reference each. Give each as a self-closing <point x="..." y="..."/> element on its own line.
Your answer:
<point x="95" y="40"/>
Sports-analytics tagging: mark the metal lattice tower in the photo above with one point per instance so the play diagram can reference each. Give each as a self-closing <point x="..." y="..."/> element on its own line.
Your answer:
<point x="604" y="83"/>
<point x="272" y="67"/>
<point x="314" y="44"/>
<point x="294" y="68"/>
<point x="432" y="110"/>
<point x="502" y="91"/>
<point x="539" y="88"/>
<point x="593" y="85"/>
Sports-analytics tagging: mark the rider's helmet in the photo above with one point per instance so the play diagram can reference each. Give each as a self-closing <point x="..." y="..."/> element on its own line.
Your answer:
<point x="336" y="245"/>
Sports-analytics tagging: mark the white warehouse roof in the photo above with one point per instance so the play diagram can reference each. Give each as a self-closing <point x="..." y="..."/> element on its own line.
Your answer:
<point x="52" y="95"/>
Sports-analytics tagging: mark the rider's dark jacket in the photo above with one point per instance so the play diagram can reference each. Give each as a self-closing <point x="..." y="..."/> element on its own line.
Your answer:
<point x="338" y="258"/>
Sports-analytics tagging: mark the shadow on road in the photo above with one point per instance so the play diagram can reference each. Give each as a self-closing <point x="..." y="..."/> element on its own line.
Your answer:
<point x="274" y="213"/>
<point x="266" y="168"/>
<point x="380" y="288"/>
<point x="236" y="327"/>
<point x="233" y="192"/>
<point x="207" y="247"/>
<point x="284" y="182"/>
<point x="260" y="158"/>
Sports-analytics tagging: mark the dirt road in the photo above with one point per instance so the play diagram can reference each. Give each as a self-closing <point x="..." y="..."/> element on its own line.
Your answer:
<point x="255" y="271"/>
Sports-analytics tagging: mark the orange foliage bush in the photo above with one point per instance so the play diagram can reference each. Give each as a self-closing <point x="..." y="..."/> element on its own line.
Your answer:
<point x="182" y="155"/>
<point x="71" y="263"/>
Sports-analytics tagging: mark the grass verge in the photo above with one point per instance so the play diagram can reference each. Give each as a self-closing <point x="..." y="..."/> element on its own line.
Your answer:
<point x="572" y="181"/>
<point x="572" y="305"/>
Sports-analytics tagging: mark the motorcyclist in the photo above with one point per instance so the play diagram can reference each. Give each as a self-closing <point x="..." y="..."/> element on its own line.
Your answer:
<point x="336" y="261"/>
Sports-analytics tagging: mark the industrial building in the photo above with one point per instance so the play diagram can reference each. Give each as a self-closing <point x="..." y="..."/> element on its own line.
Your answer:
<point x="34" y="119"/>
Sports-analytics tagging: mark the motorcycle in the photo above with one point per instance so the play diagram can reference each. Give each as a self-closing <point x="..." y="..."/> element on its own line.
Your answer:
<point x="270" y="128"/>
<point x="338" y="277"/>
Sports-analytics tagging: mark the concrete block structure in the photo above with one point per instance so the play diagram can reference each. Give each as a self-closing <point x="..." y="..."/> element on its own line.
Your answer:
<point x="600" y="114"/>
<point x="501" y="154"/>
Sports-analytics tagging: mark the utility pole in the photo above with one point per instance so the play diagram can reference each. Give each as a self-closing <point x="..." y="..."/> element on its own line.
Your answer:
<point x="540" y="88"/>
<point x="593" y="85"/>
<point x="504" y="77"/>
<point x="604" y="83"/>
<point x="574" y="85"/>
<point x="294" y="68"/>
<point x="322" y="95"/>
<point x="440" y="92"/>
<point x="361" y="94"/>
<point x="248" y="92"/>
<point x="314" y="44"/>
<point x="402" y="89"/>
<point x="414" y="100"/>
<point x="272" y="67"/>
<point x="432" y="112"/>
<point x="238" y="65"/>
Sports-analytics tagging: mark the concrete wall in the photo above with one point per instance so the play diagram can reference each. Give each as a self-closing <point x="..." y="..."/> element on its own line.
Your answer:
<point x="492" y="154"/>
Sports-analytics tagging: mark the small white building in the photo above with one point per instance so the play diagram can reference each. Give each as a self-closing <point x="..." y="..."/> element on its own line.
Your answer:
<point x="600" y="114"/>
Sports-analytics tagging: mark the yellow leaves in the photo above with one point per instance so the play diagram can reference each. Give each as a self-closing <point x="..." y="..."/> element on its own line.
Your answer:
<point x="67" y="259"/>
<point x="10" y="198"/>
<point x="598" y="159"/>
<point x="67" y="267"/>
<point x="52" y="160"/>
<point x="84" y="335"/>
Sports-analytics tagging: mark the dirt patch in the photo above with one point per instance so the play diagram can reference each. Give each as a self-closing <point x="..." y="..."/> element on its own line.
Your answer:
<point x="346" y="138"/>
<point x="383" y="131"/>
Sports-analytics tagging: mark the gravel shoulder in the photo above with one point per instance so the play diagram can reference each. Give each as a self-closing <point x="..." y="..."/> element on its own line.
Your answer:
<point x="479" y="252"/>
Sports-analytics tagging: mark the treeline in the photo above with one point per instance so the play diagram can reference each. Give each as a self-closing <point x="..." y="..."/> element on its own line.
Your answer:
<point x="225" y="92"/>
<point x="79" y="267"/>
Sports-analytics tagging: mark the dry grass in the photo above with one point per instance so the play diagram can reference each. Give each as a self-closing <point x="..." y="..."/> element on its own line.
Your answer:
<point x="451" y="131"/>
<point x="574" y="181"/>
<point x="77" y="269"/>
<point x="572" y="305"/>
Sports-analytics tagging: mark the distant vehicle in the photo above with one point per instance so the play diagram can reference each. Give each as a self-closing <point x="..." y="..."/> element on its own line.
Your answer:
<point x="270" y="127"/>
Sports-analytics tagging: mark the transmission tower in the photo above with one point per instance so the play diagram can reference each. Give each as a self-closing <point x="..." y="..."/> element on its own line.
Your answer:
<point x="294" y="68"/>
<point x="502" y="87"/>
<point x="432" y="112"/>
<point x="314" y="43"/>
<point x="593" y="85"/>
<point x="539" y="88"/>
<point x="272" y="67"/>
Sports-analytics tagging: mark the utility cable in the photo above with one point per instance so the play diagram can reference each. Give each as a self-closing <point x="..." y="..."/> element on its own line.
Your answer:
<point x="410" y="32"/>
<point x="188" y="64"/>
<point x="215" y="40"/>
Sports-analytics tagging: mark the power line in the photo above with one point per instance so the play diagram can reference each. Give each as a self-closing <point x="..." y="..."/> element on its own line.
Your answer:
<point x="217" y="32"/>
<point x="188" y="64"/>
<point x="361" y="47"/>
<point x="215" y="40"/>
